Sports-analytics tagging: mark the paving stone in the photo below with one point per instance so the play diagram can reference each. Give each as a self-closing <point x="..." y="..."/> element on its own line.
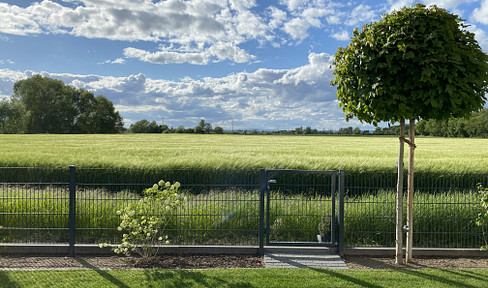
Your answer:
<point x="303" y="258"/>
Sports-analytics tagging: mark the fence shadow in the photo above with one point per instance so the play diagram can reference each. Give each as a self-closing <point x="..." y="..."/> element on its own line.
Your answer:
<point x="347" y="278"/>
<point x="102" y="273"/>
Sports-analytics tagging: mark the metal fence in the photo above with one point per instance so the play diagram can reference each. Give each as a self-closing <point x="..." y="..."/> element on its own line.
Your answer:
<point x="224" y="206"/>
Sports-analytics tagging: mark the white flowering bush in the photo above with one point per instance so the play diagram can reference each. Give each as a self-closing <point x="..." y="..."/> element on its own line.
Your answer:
<point x="144" y="222"/>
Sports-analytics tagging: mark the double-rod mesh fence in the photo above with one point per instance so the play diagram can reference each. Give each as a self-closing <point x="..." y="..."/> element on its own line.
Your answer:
<point x="223" y="206"/>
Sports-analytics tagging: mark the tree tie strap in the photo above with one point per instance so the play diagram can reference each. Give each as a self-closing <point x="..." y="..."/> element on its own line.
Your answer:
<point x="408" y="142"/>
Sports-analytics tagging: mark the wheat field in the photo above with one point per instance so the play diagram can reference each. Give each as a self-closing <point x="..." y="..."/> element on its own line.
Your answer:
<point x="174" y="151"/>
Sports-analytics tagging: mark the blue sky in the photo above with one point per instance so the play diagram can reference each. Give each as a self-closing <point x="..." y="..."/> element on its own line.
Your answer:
<point x="239" y="64"/>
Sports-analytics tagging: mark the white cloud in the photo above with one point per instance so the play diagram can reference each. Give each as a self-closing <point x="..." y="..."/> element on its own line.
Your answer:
<point x="17" y="21"/>
<point x="214" y="27"/>
<point x="398" y="4"/>
<point x="310" y="17"/>
<point x="342" y="35"/>
<point x="294" y="4"/>
<point x="277" y="17"/>
<point x="116" y="61"/>
<point x="481" y="36"/>
<point x="360" y="15"/>
<point x="448" y="4"/>
<point x="481" y="14"/>
<point x="199" y="55"/>
<point x="262" y="99"/>
<point x="6" y="61"/>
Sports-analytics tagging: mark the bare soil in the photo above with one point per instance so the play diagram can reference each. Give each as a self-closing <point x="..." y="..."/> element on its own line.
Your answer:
<point x="361" y="262"/>
<point x="221" y="261"/>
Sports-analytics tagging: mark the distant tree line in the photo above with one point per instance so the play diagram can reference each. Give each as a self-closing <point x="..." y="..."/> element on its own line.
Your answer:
<point x="46" y="105"/>
<point x="144" y="126"/>
<point x="474" y="126"/>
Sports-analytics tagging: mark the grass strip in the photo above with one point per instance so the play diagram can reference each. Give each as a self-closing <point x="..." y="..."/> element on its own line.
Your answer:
<point x="424" y="278"/>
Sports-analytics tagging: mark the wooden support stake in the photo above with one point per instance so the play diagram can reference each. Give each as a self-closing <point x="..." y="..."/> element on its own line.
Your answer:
<point x="411" y="137"/>
<point x="399" y="199"/>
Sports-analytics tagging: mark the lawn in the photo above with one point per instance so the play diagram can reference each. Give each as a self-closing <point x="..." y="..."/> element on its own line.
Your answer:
<point x="371" y="153"/>
<point x="424" y="278"/>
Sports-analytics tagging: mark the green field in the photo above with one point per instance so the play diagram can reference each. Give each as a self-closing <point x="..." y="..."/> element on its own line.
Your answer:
<point x="168" y="151"/>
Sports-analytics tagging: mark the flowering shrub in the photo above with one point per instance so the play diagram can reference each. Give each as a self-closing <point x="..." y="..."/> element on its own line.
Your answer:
<point x="144" y="222"/>
<point x="482" y="219"/>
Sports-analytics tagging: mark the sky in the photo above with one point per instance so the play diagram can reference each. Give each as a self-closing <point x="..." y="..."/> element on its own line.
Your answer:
<point x="238" y="64"/>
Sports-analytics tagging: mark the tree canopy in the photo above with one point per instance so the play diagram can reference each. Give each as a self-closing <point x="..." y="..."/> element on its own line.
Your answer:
<point x="416" y="63"/>
<point x="50" y="106"/>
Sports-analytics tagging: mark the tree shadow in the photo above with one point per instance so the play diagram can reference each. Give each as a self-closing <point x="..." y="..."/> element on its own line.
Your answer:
<point x="102" y="273"/>
<point x="439" y="279"/>
<point x="347" y="278"/>
<point x="5" y="281"/>
<point x="469" y="274"/>
<point x="188" y="278"/>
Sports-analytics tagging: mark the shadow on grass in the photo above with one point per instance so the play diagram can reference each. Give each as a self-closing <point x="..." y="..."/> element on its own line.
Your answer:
<point x="347" y="278"/>
<point x="102" y="273"/>
<point x="470" y="274"/>
<point x="185" y="278"/>
<point x="5" y="281"/>
<point x="439" y="279"/>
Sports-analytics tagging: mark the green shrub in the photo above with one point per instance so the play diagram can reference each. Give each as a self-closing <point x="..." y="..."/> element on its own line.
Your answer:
<point x="482" y="219"/>
<point x="145" y="220"/>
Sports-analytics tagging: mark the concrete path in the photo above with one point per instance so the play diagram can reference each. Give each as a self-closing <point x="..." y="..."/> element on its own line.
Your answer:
<point x="302" y="257"/>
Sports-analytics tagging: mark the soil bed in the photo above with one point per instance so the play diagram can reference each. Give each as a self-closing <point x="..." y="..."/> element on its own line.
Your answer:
<point x="222" y="261"/>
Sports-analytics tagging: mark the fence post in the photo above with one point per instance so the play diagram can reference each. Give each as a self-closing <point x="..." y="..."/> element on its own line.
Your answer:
<point x="341" y="213"/>
<point x="262" y="190"/>
<point x="72" y="210"/>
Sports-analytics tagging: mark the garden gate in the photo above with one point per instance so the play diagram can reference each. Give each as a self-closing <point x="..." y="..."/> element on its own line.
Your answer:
<point x="304" y="208"/>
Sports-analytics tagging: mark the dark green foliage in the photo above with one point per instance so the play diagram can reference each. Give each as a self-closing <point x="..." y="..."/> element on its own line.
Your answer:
<point x="144" y="126"/>
<point x="50" y="106"/>
<point x="482" y="219"/>
<point x="203" y="127"/>
<point x="218" y="130"/>
<point x="416" y="63"/>
<point x="474" y="126"/>
<point x="12" y="117"/>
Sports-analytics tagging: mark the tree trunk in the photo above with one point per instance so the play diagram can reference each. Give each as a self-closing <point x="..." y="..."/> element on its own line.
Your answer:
<point x="399" y="199"/>
<point x="411" y="137"/>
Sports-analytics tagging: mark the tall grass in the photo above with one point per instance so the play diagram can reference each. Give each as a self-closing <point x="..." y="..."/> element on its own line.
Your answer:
<point x="174" y="151"/>
<point x="232" y="217"/>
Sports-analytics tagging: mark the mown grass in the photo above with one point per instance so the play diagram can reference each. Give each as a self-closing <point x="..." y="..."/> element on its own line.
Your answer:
<point x="232" y="217"/>
<point x="424" y="278"/>
<point x="174" y="151"/>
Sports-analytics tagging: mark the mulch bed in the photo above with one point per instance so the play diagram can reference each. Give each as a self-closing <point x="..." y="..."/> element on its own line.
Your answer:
<point x="221" y="261"/>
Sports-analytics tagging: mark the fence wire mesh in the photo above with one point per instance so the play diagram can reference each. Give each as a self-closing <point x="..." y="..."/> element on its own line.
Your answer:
<point x="223" y="206"/>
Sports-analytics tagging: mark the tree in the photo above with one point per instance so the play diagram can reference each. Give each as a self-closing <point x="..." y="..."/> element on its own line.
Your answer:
<point x="53" y="107"/>
<point x="218" y="130"/>
<point x="12" y="118"/>
<point x="48" y="103"/>
<point x="416" y="63"/>
<point x="140" y="126"/>
<point x="180" y="129"/>
<point x="203" y="127"/>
